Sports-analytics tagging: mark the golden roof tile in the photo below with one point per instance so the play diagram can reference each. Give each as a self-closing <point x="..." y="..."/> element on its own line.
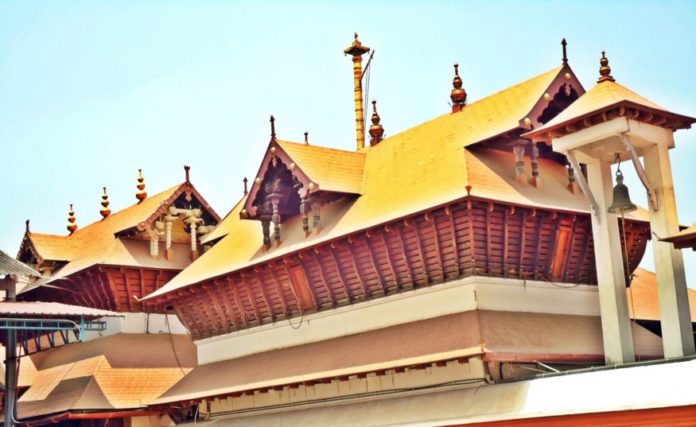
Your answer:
<point x="122" y="371"/>
<point x="406" y="173"/>
<point x="600" y="97"/>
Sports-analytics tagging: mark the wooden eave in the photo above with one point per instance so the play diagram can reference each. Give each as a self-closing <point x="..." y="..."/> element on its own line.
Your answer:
<point x="472" y="236"/>
<point x="628" y="109"/>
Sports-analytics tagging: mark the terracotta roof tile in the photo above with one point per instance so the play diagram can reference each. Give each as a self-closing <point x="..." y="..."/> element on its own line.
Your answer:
<point x="643" y="294"/>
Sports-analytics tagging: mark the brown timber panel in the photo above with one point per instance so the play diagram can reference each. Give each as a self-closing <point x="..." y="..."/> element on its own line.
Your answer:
<point x="464" y="239"/>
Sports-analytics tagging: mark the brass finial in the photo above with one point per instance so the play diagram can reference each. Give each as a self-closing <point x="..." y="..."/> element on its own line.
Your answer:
<point x="564" y="43"/>
<point x="246" y="191"/>
<point x="604" y="70"/>
<point x="105" y="211"/>
<point x="306" y="137"/>
<point x="273" y="134"/>
<point x="376" y="130"/>
<point x="141" y="194"/>
<point x="458" y="95"/>
<point x="72" y="224"/>
<point x="187" y="172"/>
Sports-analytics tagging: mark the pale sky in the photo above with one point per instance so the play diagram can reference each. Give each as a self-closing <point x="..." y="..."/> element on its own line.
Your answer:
<point x="92" y="91"/>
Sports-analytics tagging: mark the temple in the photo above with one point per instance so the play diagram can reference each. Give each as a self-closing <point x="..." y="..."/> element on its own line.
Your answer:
<point x="470" y="270"/>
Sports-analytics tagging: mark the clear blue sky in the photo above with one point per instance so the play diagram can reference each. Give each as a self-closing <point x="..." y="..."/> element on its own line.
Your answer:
<point x="92" y="91"/>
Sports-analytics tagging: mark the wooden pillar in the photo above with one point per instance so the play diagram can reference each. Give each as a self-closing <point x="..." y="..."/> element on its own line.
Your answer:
<point x="616" y="326"/>
<point x="675" y="319"/>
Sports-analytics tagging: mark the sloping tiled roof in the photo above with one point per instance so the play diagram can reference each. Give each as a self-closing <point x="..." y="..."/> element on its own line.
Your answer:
<point x="47" y="309"/>
<point x="96" y="243"/>
<point x="123" y="371"/>
<point x="684" y="239"/>
<point x="489" y="333"/>
<point x="334" y="170"/>
<point x="643" y="294"/>
<point x="9" y="265"/>
<point x="601" y="96"/>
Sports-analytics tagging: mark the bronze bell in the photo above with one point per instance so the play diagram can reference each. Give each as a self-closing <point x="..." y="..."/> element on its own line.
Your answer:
<point x="622" y="202"/>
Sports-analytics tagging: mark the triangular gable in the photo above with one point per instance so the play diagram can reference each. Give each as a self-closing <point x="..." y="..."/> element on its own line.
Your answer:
<point x="563" y="90"/>
<point x="300" y="171"/>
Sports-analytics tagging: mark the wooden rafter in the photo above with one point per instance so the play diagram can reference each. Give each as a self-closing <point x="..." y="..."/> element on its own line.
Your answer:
<point x="436" y="239"/>
<point x="540" y="223"/>
<point x="129" y="296"/>
<point x="569" y="249"/>
<point x="238" y="301"/>
<point x="279" y="290"/>
<point x="324" y="280"/>
<point x="421" y="254"/>
<point x="216" y="307"/>
<point x="523" y="235"/>
<point x="488" y="238"/>
<point x="252" y="299"/>
<point x="339" y="272"/>
<point x="390" y="260"/>
<point x="505" y="242"/>
<point x="264" y="296"/>
<point x="472" y="241"/>
<point x="411" y="277"/>
<point x="229" y="311"/>
<point x="455" y="246"/>
<point x="553" y="243"/>
<point x="103" y="285"/>
<point x="373" y="262"/>
<point x="361" y="280"/>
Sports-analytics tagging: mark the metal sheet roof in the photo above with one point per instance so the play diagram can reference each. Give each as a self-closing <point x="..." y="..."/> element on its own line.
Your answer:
<point x="9" y="265"/>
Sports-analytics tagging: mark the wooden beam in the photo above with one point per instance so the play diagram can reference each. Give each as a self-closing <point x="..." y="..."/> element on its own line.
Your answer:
<point x="373" y="262"/>
<point x="505" y="241"/>
<point x="129" y="296"/>
<point x="390" y="260"/>
<point x="229" y="310"/>
<point x="402" y="243"/>
<point x="324" y="280"/>
<point x="523" y="235"/>
<point x="488" y="237"/>
<point x="553" y="238"/>
<point x="259" y="282"/>
<point x="354" y="264"/>
<point x="455" y="246"/>
<point x="339" y="271"/>
<point x="540" y="221"/>
<point x="292" y="287"/>
<point x="569" y="249"/>
<point x="237" y="301"/>
<point x="252" y="299"/>
<point x="110" y="298"/>
<point x="421" y="254"/>
<point x="279" y="290"/>
<point x="94" y="285"/>
<point x="142" y="282"/>
<point x="216" y="307"/>
<point x="438" y="249"/>
<point x="472" y="242"/>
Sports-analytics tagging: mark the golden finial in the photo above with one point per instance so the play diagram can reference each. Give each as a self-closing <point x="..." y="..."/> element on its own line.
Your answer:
<point x="604" y="70"/>
<point x="105" y="211"/>
<point x="376" y="130"/>
<point x="141" y="194"/>
<point x="458" y="95"/>
<point x="72" y="224"/>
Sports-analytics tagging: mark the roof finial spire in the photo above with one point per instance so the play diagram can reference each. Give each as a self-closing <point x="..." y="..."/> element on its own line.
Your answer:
<point x="273" y="134"/>
<point x="246" y="191"/>
<point x="26" y="226"/>
<point x="604" y="70"/>
<point x="187" y="171"/>
<point x="141" y="194"/>
<point x="105" y="211"/>
<point x="458" y="95"/>
<point x="376" y="130"/>
<point x="72" y="224"/>
<point x="306" y="137"/>
<point x="564" y="43"/>
<point x="357" y="50"/>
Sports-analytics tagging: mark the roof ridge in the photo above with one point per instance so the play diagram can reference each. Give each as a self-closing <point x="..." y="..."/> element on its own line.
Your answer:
<point x="319" y="147"/>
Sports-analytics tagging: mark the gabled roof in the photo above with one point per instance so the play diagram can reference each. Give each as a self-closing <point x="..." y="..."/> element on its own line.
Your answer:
<point x="412" y="171"/>
<point x="9" y="265"/>
<point x="97" y="243"/>
<point x="604" y="96"/>
<point x="331" y="169"/>
<point x="122" y="371"/>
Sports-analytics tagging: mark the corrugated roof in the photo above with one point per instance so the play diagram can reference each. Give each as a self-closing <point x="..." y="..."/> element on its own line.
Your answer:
<point x="124" y="371"/>
<point x="9" y="265"/>
<point x="460" y="335"/>
<point x="50" y="309"/>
